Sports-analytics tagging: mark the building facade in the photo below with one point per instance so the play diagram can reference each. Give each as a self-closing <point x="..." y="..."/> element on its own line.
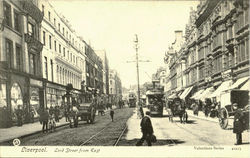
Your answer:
<point x="94" y="71"/>
<point x="105" y="63"/>
<point x="63" y="55"/>
<point x="216" y="49"/>
<point x="21" y="83"/>
<point x="115" y="86"/>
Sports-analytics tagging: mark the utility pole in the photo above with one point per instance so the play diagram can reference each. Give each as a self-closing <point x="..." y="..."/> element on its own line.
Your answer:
<point x="137" y="69"/>
<point x="136" y="46"/>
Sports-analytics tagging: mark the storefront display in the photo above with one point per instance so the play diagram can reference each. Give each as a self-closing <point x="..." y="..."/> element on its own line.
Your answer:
<point x="34" y="101"/>
<point x="3" y="99"/>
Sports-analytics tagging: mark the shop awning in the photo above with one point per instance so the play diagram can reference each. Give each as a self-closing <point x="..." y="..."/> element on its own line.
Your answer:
<point x="238" y="83"/>
<point x="197" y="94"/>
<point x="186" y="92"/>
<point x="224" y="86"/>
<point x="172" y="96"/>
<point x="205" y="94"/>
<point x="246" y="86"/>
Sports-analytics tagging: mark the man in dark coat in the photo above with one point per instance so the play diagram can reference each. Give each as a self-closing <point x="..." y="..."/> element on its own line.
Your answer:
<point x="147" y="130"/>
<point x="238" y="124"/>
<point x="112" y="114"/>
<point x="44" y="118"/>
<point x="19" y="114"/>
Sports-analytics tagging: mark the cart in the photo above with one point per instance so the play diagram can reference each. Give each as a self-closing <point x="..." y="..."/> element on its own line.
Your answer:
<point x="227" y="109"/>
<point x="177" y="109"/>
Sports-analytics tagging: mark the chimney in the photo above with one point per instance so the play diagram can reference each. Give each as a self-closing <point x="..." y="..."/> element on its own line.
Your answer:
<point x="178" y="35"/>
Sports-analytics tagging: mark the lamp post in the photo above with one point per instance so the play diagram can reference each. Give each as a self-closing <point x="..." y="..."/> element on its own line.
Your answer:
<point x="136" y="46"/>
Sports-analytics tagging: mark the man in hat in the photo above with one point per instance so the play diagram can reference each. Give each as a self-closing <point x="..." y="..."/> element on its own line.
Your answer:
<point x="238" y="124"/>
<point x="147" y="130"/>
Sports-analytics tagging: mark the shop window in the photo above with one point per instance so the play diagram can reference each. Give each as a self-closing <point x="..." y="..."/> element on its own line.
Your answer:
<point x="16" y="100"/>
<point x="17" y="21"/>
<point x="7" y="14"/>
<point x="34" y="101"/>
<point x="18" y="58"/>
<point x="3" y="98"/>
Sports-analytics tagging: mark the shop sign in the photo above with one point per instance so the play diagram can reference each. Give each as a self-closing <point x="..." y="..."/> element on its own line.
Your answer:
<point x="36" y="83"/>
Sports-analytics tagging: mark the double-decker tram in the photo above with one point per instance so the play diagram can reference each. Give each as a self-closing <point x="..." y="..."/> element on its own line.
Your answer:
<point x="155" y="99"/>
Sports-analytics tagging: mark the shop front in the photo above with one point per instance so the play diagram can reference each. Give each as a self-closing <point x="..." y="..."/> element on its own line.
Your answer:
<point x="36" y="91"/>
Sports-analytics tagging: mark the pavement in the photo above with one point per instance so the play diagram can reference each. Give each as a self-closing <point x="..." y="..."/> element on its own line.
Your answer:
<point x="7" y="134"/>
<point x="201" y="115"/>
<point x="198" y="131"/>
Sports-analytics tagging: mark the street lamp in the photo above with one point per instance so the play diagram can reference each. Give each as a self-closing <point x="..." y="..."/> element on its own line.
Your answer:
<point x="136" y="46"/>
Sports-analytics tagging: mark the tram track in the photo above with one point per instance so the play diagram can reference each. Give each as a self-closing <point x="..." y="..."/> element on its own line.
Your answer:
<point x="204" y="139"/>
<point x="102" y="131"/>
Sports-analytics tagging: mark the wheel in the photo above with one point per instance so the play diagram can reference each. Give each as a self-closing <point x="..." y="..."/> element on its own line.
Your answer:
<point x="223" y="118"/>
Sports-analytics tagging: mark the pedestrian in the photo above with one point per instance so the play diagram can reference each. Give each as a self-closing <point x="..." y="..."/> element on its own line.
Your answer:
<point x="57" y="114"/>
<point x="44" y="118"/>
<point x="141" y="112"/>
<point x="19" y="115"/>
<point x="238" y="127"/>
<point x="147" y="130"/>
<point x="112" y="114"/>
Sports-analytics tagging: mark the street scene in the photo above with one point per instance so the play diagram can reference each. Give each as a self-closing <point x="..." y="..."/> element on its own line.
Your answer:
<point x="124" y="73"/>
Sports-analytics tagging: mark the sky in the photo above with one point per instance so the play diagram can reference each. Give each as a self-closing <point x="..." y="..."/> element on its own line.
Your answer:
<point x="112" y="25"/>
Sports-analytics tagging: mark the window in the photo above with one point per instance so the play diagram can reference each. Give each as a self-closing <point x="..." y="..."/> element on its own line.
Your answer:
<point x="66" y="34"/>
<point x="43" y="9"/>
<point x="50" y="44"/>
<point x="68" y="55"/>
<point x="63" y="31"/>
<point x="9" y="51"/>
<point x="59" y="27"/>
<point x="7" y="14"/>
<point x="55" y="45"/>
<point x="59" y="48"/>
<point x="52" y="71"/>
<point x="18" y="58"/>
<point x="32" y="64"/>
<point x="44" y="38"/>
<point x="16" y="21"/>
<point x="63" y="52"/>
<point x="49" y="15"/>
<point x="31" y="29"/>
<point x="46" y="67"/>
<point x="55" y="21"/>
<point x="71" y="57"/>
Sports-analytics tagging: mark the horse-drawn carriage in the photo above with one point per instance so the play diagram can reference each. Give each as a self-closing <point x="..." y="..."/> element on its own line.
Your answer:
<point x="231" y="100"/>
<point x="177" y="109"/>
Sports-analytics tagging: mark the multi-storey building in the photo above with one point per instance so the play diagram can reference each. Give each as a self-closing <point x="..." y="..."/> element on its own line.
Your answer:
<point x="173" y="70"/>
<point x="21" y="83"/>
<point x="216" y="50"/>
<point x="94" y="71"/>
<point x="115" y="86"/>
<point x="63" y="56"/>
<point x="105" y="63"/>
